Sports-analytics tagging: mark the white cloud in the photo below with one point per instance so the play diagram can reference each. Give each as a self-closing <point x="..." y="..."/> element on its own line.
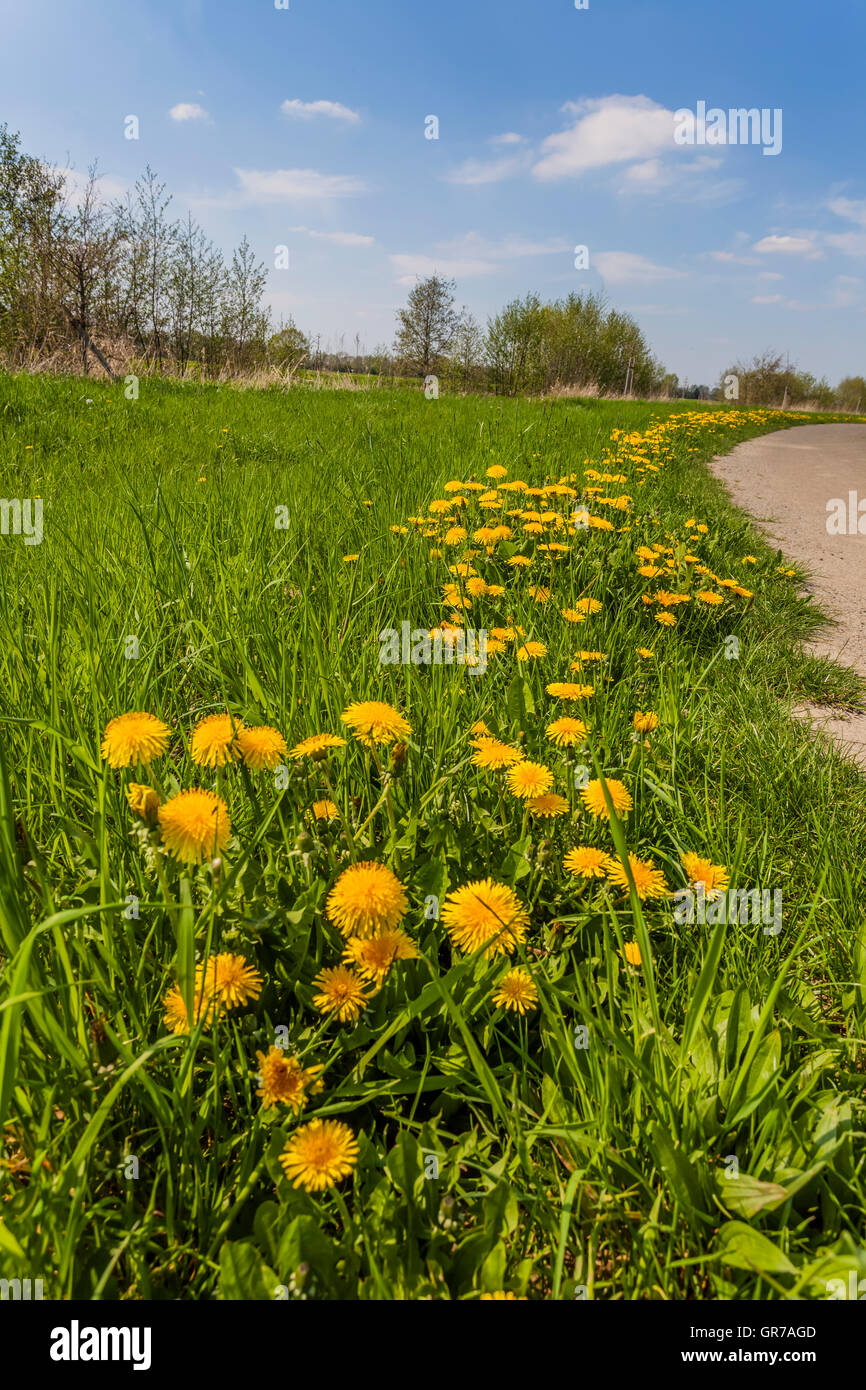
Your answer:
<point x="479" y="171"/>
<point x="789" y="246"/>
<point x="731" y="258"/>
<point x="648" y="171"/>
<point x="338" y="238"/>
<point x="767" y="298"/>
<point x="509" y="138"/>
<point x="854" y="209"/>
<point x="472" y="255"/>
<point x="510" y="249"/>
<point x="680" y="179"/>
<point x="188" y="111"/>
<point x="607" y="130"/>
<point x="308" y="110"/>
<point x="75" y="186"/>
<point x="626" y="267"/>
<point x="847" y="291"/>
<point x="408" y="267"/>
<point x="294" y="185"/>
<point x="850" y="243"/>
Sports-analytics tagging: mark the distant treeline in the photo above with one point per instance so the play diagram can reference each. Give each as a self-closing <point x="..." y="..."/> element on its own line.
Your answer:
<point x="122" y="286"/>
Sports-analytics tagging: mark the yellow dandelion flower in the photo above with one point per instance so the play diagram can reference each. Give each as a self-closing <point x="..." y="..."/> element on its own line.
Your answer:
<point x="143" y="801"/>
<point x="707" y="596"/>
<point x="366" y="899"/>
<point x="317" y="746"/>
<point x="261" y="746"/>
<point x="645" y="723"/>
<point x="214" y="740"/>
<point x="319" y="1154"/>
<point x="493" y="755"/>
<point x="714" y="878"/>
<point x="516" y="992"/>
<point x="631" y="952"/>
<point x="669" y="600"/>
<point x="175" y="1010"/>
<point x="134" y="738"/>
<point x="666" y="619"/>
<point x="593" y="798"/>
<point x="230" y="981"/>
<point x="527" y="779"/>
<point x="373" y="721"/>
<point x="497" y="471"/>
<point x="324" y="810"/>
<point x="341" y="993"/>
<point x="566" y="731"/>
<point x="530" y="650"/>
<point x="373" y="956"/>
<point x="485" y="914"/>
<point x="568" y="690"/>
<point x="349" y="559"/>
<point x="548" y="804"/>
<point x="571" y="615"/>
<point x="195" y="825"/>
<point x="645" y="652"/>
<point x="285" y="1081"/>
<point x="649" y="881"/>
<point x="586" y="862"/>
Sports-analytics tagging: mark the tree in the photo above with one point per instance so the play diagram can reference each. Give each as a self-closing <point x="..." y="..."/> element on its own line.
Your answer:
<point x="427" y="326"/>
<point x="187" y="289"/>
<point x="31" y="319"/>
<point x="465" y="369"/>
<point x="516" y="346"/>
<point x="288" y="346"/>
<point x="765" y="381"/>
<point x="245" y="320"/>
<point x="851" y="394"/>
<point x="86" y="256"/>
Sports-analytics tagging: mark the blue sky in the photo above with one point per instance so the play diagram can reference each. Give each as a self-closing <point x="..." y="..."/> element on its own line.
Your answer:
<point x="305" y="127"/>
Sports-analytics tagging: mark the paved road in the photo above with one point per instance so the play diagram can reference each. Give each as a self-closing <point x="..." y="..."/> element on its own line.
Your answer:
<point x="788" y="482"/>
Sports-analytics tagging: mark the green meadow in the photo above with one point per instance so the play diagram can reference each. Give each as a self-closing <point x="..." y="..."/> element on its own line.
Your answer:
<point x="680" y="1113"/>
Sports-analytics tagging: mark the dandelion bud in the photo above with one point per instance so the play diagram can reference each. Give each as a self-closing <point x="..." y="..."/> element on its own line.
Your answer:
<point x="446" y="1212"/>
<point x="305" y="843"/>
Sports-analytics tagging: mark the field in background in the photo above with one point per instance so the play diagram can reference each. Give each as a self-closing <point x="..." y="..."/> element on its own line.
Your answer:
<point x="679" y="1119"/>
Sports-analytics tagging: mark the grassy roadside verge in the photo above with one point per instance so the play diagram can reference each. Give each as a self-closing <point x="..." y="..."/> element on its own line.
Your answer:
<point x="698" y="1139"/>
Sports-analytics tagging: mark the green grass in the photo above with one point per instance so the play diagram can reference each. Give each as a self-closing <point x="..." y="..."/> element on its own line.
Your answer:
<point x="561" y="1168"/>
